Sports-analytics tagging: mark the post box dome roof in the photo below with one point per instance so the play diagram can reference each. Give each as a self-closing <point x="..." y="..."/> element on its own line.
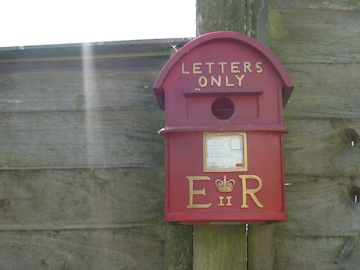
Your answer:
<point x="257" y="47"/>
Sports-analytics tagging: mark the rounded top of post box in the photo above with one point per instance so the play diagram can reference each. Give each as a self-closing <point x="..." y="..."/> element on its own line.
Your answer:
<point x="226" y="36"/>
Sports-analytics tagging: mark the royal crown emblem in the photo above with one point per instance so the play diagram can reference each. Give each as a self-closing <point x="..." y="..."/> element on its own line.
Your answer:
<point x="225" y="185"/>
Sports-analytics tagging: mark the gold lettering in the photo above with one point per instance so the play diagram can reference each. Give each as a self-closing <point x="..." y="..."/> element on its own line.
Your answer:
<point x="240" y="78"/>
<point x="202" y="81"/>
<point x="183" y="71"/>
<point x="222" y="66"/>
<point x="228" y="200"/>
<point x="196" y="68"/>
<point x="251" y="192"/>
<point x="221" y="201"/>
<point x="193" y="192"/>
<point x="259" y="68"/>
<point x="227" y="81"/>
<point x="214" y="81"/>
<point x="234" y="67"/>
<point x="247" y="67"/>
<point x="217" y="80"/>
<point x="210" y="64"/>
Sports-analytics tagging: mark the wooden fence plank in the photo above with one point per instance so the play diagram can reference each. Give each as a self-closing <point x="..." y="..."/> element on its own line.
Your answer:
<point x="324" y="91"/>
<point x="77" y="90"/>
<point x="80" y="198"/>
<point x="82" y="249"/>
<point x="320" y="253"/>
<point x="100" y="50"/>
<point x="320" y="147"/>
<point x="219" y="247"/>
<point x="309" y="36"/>
<point x="321" y="206"/>
<point x="314" y="4"/>
<point x="80" y="139"/>
<point x="50" y="120"/>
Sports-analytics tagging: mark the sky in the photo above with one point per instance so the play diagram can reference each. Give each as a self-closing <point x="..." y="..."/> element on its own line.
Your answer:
<point x="41" y="22"/>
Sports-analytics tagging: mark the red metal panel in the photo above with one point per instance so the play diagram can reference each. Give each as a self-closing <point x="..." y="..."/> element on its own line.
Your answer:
<point x="223" y="37"/>
<point x="185" y="160"/>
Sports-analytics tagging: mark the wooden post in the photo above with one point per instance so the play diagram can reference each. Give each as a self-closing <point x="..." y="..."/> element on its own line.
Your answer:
<point x="261" y="250"/>
<point x="249" y="17"/>
<point x="224" y="246"/>
<point x="219" y="247"/>
<point x="223" y="15"/>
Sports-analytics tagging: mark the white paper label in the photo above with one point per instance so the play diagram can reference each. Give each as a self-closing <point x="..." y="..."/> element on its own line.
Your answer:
<point x="224" y="152"/>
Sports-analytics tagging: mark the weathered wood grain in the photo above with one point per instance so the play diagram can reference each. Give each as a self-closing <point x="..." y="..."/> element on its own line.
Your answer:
<point x="247" y="17"/>
<point x="81" y="139"/>
<point x="324" y="91"/>
<point x="320" y="253"/>
<point x="79" y="118"/>
<point x="80" y="198"/>
<point x="101" y="50"/>
<point x="321" y="206"/>
<point x="219" y="247"/>
<point x="314" y="4"/>
<point x="319" y="43"/>
<point x="315" y="36"/>
<point x="81" y="161"/>
<point x="261" y="249"/>
<point x="137" y="248"/>
<point x="178" y="247"/>
<point x="221" y="15"/>
<point x="79" y="90"/>
<point x="320" y="147"/>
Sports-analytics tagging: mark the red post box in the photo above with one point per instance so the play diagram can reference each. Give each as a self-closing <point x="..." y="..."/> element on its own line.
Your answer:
<point x="223" y="94"/>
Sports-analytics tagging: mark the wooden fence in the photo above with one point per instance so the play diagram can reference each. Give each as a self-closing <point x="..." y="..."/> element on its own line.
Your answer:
<point x="81" y="165"/>
<point x="319" y="44"/>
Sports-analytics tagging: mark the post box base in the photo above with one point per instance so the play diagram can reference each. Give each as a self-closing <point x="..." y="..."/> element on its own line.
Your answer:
<point x="221" y="218"/>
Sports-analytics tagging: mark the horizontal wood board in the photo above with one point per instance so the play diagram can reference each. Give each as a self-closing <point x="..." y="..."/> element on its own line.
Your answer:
<point x="320" y="253"/>
<point x="324" y="91"/>
<point x="315" y="36"/>
<point x="80" y="198"/>
<point x="81" y="139"/>
<point x="137" y="248"/>
<point x="79" y="90"/>
<point x="80" y="118"/>
<point x="100" y="50"/>
<point x="321" y="206"/>
<point x="321" y="147"/>
<point x="315" y="4"/>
